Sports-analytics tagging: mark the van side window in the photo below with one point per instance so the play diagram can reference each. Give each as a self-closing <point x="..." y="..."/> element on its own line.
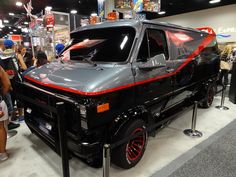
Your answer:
<point x="183" y="43"/>
<point x="154" y="43"/>
<point x="143" y="54"/>
<point x="157" y="43"/>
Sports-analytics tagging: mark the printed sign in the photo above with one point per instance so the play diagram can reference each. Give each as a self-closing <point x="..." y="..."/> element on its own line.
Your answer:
<point x="101" y="8"/>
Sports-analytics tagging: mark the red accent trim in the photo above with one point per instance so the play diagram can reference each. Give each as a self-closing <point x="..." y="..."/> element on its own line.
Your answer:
<point x="208" y="30"/>
<point x="204" y="44"/>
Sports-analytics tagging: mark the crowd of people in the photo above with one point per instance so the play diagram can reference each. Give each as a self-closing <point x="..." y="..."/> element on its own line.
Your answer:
<point x="15" y="61"/>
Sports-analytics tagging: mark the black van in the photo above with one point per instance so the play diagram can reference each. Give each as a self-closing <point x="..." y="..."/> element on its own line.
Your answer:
<point x="117" y="79"/>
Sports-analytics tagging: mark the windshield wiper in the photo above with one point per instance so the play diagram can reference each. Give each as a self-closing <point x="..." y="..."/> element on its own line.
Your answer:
<point x="88" y="57"/>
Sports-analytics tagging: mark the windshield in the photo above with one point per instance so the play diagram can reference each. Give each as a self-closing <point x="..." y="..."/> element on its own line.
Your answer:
<point x="105" y="45"/>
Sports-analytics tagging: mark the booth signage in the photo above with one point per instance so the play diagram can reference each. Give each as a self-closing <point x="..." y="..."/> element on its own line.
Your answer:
<point x="101" y="8"/>
<point x="139" y="5"/>
<point x="49" y="20"/>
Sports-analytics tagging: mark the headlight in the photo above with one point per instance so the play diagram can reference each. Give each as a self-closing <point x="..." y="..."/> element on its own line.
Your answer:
<point x="83" y="111"/>
<point x="83" y="116"/>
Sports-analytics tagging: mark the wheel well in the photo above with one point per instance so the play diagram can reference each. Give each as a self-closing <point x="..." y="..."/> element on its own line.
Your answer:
<point x="139" y="112"/>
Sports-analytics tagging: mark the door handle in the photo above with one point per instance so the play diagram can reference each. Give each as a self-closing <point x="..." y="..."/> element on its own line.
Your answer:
<point x="169" y="70"/>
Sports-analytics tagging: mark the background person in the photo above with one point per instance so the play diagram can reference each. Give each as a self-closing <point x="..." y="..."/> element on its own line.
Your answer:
<point x="41" y="59"/>
<point x="59" y="48"/>
<point x="1" y="46"/>
<point x="225" y="65"/>
<point x="10" y="51"/>
<point x="27" y="56"/>
<point x="5" y="88"/>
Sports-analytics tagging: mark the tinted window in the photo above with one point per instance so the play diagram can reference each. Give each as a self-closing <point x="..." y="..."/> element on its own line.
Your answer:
<point x="143" y="51"/>
<point x="183" y="43"/>
<point x="107" y="44"/>
<point x="154" y="43"/>
<point x="157" y="43"/>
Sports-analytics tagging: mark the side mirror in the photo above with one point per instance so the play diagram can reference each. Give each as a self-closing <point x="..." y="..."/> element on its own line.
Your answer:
<point x="158" y="61"/>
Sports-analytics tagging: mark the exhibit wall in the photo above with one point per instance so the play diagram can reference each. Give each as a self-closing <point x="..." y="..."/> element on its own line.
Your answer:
<point x="221" y="19"/>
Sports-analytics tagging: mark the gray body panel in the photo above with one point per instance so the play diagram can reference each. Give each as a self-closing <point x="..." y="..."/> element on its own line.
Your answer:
<point x="82" y="76"/>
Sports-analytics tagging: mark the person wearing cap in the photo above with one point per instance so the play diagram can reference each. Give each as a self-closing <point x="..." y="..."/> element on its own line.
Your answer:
<point x="59" y="48"/>
<point x="10" y="51"/>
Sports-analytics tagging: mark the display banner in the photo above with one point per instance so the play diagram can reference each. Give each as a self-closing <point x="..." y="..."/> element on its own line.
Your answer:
<point x="139" y="5"/>
<point x="101" y="8"/>
<point x="49" y="20"/>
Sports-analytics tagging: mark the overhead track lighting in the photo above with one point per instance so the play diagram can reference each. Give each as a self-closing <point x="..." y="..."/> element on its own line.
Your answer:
<point x="5" y="21"/>
<point x="19" y="4"/>
<point x="73" y="11"/>
<point x="48" y="8"/>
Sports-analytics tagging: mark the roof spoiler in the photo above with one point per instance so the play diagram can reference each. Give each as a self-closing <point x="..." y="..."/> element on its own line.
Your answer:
<point x="208" y="30"/>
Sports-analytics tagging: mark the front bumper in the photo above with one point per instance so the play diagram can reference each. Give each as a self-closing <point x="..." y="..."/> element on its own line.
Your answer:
<point x="41" y="116"/>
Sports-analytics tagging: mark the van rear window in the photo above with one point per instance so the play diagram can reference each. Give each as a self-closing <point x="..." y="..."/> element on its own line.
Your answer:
<point x="102" y="45"/>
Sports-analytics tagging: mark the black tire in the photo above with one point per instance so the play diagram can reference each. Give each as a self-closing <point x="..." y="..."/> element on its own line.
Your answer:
<point x="209" y="98"/>
<point x="128" y="155"/>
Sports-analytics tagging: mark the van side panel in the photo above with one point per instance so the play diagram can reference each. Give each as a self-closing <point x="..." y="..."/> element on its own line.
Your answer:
<point x="195" y="59"/>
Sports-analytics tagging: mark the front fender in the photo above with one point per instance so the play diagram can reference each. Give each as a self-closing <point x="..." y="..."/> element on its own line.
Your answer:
<point x="139" y="112"/>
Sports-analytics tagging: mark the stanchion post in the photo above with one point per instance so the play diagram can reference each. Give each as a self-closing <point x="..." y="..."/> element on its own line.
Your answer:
<point x="193" y="132"/>
<point x="63" y="139"/>
<point x="106" y="160"/>
<point x="222" y="107"/>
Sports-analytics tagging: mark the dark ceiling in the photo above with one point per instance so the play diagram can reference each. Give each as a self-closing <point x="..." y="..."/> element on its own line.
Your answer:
<point x="86" y="7"/>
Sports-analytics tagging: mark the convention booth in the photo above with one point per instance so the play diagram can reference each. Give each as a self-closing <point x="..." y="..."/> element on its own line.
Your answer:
<point x="48" y="30"/>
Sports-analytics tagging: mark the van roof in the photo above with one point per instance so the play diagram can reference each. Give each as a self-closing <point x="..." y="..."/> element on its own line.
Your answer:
<point x="134" y="23"/>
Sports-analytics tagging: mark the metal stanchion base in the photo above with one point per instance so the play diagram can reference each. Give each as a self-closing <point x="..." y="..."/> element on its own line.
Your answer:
<point x="191" y="133"/>
<point x="222" y="108"/>
<point x="11" y="134"/>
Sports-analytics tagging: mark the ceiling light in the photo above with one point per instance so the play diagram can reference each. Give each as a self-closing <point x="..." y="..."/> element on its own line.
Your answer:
<point x="0" y="29"/>
<point x="19" y="27"/>
<point x="94" y="14"/>
<point x="48" y="8"/>
<point x="26" y="23"/>
<point x="73" y="11"/>
<point x="161" y="12"/>
<point x="11" y="14"/>
<point x="14" y="30"/>
<point x="25" y="30"/>
<point x="214" y="1"/>
<point x="9" y="27"/>
<point x="11" y="32"/>
<point x="19" y="4"/>
<point x="5" y="21"/>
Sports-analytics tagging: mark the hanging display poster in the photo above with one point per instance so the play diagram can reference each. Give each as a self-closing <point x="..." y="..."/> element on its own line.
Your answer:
<point x="139" y="5"/>
<point x="101" y="8"/>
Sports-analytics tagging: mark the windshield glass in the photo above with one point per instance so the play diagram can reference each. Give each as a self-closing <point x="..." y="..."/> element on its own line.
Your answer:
<point x="105" y="45"/>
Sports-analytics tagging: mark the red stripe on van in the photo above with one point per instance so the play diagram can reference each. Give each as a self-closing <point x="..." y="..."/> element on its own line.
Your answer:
<point x="204" y="44"/>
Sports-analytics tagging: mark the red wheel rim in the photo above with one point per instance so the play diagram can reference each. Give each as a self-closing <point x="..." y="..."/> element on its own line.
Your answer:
<point x="135" y="147"/>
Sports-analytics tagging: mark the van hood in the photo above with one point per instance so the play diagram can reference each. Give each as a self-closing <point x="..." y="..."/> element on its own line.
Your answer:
<point x="82" y="78"/>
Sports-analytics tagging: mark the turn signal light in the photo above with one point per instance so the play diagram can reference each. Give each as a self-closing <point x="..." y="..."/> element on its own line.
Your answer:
<point x="103" y="107"/>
